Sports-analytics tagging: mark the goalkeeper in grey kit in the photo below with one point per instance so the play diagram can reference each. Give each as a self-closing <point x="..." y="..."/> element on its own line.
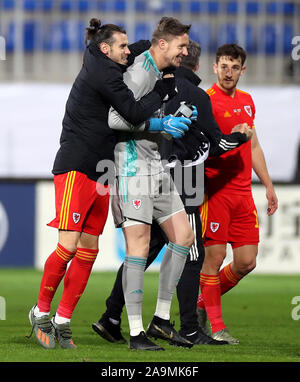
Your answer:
<point x="144" y="192"/>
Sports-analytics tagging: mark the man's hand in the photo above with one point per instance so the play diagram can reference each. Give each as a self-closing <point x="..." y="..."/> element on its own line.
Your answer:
<point x="243" y="128"/>
<point x="166" y="86"/>
<point x="175" y="126"/>
<point x="272" y="200"/>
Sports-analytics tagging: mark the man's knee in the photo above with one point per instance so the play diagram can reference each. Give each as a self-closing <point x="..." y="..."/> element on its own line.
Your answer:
<point x="186" y="238"/>
<point x="213" y="260"/>
<point x="244" y="267"/>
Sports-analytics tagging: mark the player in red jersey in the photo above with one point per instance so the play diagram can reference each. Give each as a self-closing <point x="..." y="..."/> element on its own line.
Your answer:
<point x="228" y="213"/>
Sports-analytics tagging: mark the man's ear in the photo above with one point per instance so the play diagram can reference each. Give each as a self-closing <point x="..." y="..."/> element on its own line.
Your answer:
<point x="105" y="48"/>
<point x="243" y="70"/>
<point x="162" y="43"/>
<point x="215" y="67"/>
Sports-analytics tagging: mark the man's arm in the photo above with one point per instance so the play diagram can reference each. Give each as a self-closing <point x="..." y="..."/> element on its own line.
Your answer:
<point x="260" y="168"/>
<point x="117" y="93"/>
<point x="219" y="143"/>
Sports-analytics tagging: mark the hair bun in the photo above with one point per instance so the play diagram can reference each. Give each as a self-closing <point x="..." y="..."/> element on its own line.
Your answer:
<point x="95" y="25"/>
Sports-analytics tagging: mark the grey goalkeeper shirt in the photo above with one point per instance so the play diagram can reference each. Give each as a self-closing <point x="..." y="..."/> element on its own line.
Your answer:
<point x="136" y="152"/>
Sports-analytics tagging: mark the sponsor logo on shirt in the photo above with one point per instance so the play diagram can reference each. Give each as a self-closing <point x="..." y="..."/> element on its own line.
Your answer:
<point x="227" y="114"/>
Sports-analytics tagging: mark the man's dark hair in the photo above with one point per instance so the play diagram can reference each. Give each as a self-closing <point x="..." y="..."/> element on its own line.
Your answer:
<point x="97" y="33"/>
<point x="167" y="28"/>
<point x="231" y="50"/>
<point x="194" y="52"/>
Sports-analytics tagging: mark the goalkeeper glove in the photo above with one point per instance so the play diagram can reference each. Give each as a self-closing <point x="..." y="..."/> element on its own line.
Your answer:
<point x="175" y="126"/>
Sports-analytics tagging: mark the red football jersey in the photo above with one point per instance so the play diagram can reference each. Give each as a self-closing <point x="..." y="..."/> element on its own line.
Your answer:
<point x="231" y="171"/>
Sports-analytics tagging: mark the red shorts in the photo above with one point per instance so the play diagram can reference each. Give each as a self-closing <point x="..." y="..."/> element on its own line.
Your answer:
<point x="81" y="204"/>
<point x="229" y="218"/>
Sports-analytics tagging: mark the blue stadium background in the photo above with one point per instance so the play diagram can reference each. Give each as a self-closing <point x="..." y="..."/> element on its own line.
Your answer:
<point x="56" y="37"/>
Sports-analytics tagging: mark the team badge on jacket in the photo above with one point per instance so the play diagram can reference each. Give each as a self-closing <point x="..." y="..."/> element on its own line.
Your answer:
<point x="248" y="110"/>
<point x="214" y="226"/>
<point x="76" y="217"/>
<point x="137" y="203"/>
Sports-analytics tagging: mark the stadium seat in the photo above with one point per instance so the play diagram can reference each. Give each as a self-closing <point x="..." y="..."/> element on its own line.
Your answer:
<point x="227" y="34"/>
<point x="84" y="5"/>
<point x="272" y="7"/>
<point x="142" y="31"/>
<point x="81" y="34"/>
<point x="47" y="5"/>
<point x="102" y="6"/>
<point x="72" y="5"/>
<point x="285" y="7"/>
<point x="196" y="7"/>
<point x="8" y="4"/>
<point x="288" y="33"/>
<point x="140" y="6"/>
<point x="30" y="5"/>
<point x="120" y="6"/>
<point x="232" y="7"/>
<point x="213" y="7"/>
<point x="289" y="8"/>
<point x="202" y="34"/>
<point x="251" y="39"/>
<point x="269" y="31"/>
<point x="9" y="35"/>
<point x="252" y="7"/>
<point x="29" y="36"/>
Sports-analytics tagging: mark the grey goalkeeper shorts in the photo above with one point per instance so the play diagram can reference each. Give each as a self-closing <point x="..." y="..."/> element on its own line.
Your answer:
<point x="144" y="199"/>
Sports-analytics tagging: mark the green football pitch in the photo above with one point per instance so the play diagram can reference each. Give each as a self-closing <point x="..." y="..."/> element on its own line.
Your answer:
<point x="259" y="311"/>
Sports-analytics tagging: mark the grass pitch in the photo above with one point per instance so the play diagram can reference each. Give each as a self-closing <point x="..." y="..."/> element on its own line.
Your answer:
<point x="258" y="312"/>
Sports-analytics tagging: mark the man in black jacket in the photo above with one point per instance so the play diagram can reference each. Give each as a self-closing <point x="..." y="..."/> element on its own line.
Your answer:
<point x="187" y="151"/>
<point x="82" y="202"/>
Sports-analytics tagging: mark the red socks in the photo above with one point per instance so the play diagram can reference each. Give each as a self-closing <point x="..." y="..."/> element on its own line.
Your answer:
<point x="76" y="280"/>
<point x="211" y="294"/>
<point x="212" y="287"/>
<point x="228" y="279"/>
<point x="54" y="270"/>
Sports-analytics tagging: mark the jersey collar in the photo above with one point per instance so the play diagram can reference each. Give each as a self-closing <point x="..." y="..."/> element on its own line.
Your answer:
<point x="147" y="54"/>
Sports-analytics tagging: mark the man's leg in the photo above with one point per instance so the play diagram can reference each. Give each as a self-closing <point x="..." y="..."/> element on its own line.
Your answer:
<point x="77" y="276"/>
<point x="210" y="298"/>
<point x="54" y="270"/>
<point x="137" y="239"/>
<point x="188" y="286"/>
<point x="181" y="237"/>
<point x="244" y="261"/>
<point x="108" y="326"/>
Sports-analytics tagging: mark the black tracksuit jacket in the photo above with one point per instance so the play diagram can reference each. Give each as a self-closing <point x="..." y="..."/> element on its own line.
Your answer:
<point x="86" y="137"/>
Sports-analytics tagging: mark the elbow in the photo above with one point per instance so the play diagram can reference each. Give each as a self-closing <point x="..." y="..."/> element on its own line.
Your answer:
<point x="135" y="119"/>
